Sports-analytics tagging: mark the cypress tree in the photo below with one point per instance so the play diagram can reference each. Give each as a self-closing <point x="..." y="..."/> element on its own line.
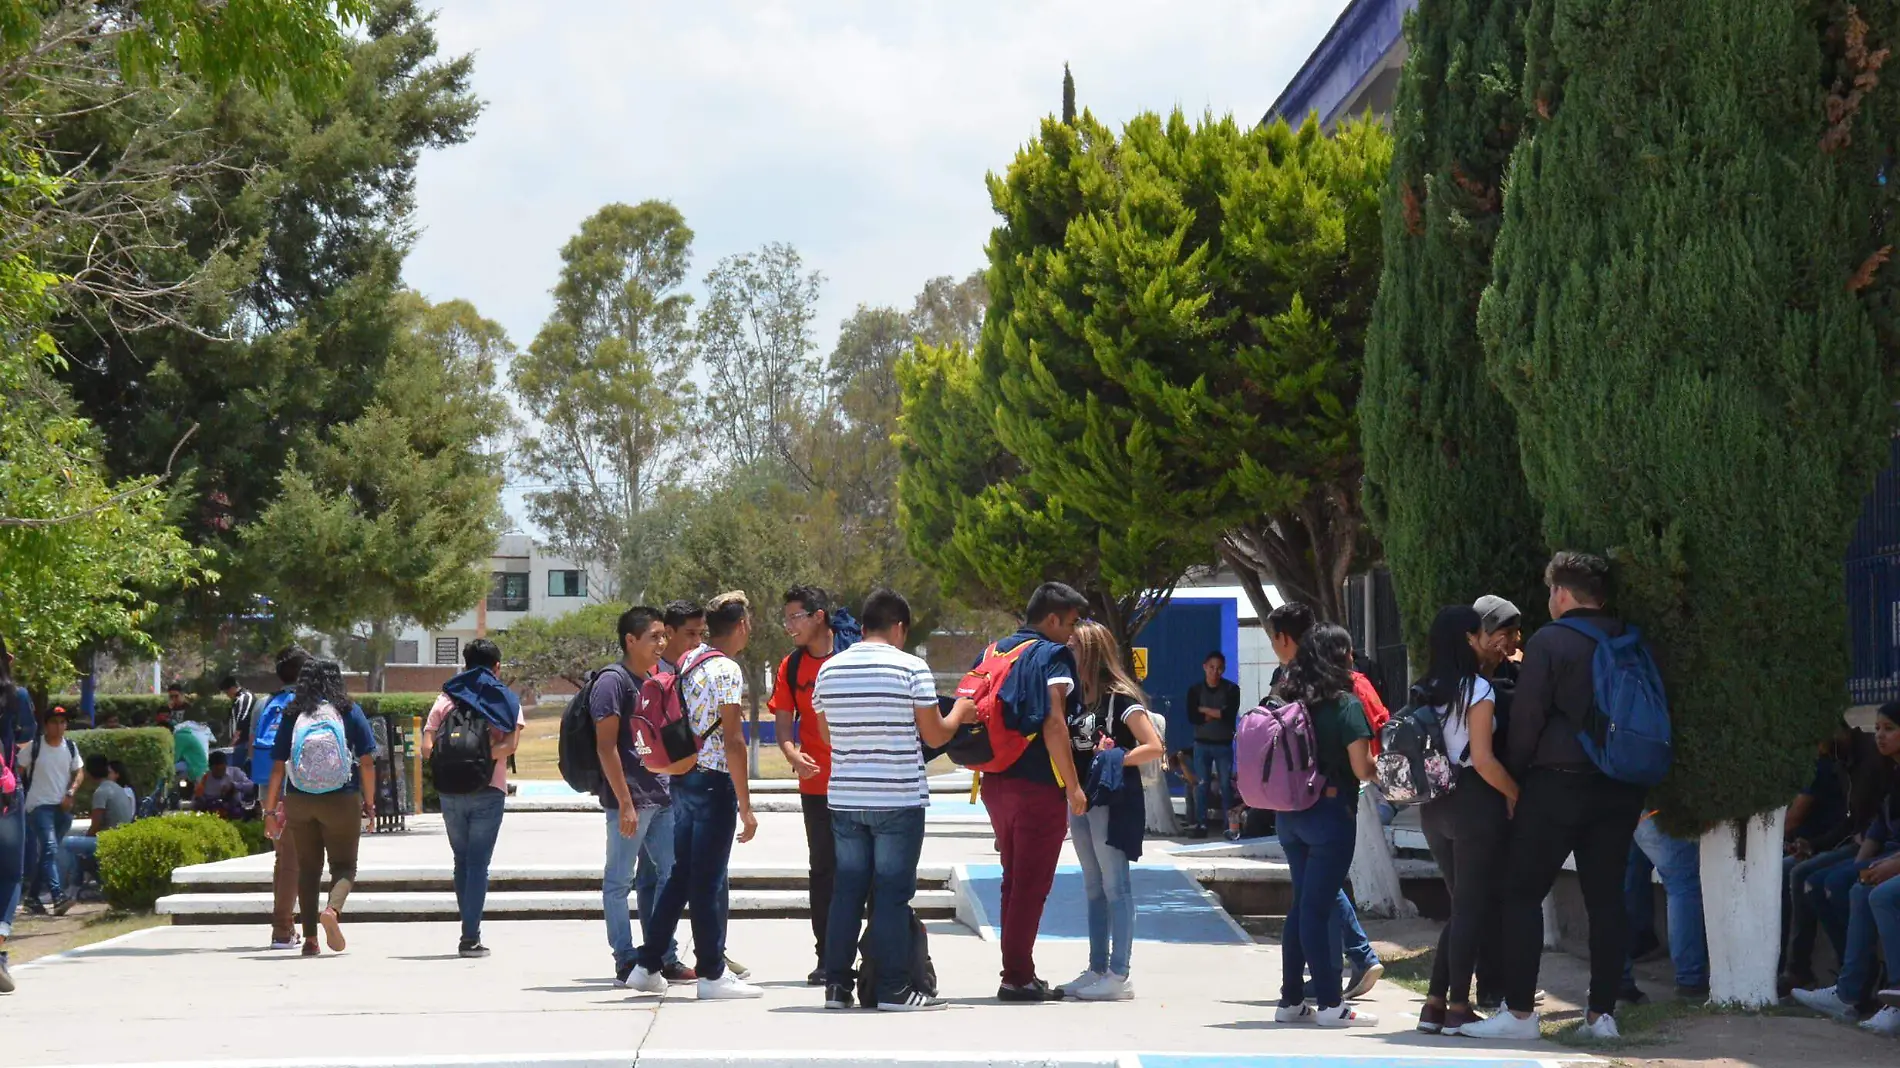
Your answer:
<point x="1068" y="97"/>
<point x="1444" y="489"/>
<point x="1679" y="318"/>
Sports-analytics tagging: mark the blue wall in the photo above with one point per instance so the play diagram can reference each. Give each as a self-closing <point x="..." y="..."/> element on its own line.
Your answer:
<point x="1178" y="638"/>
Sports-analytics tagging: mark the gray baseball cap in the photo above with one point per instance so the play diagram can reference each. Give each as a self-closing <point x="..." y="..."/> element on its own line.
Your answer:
<point x="1496" y="613"/>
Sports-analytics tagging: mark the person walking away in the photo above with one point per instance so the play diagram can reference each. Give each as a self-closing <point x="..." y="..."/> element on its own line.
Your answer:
<point x="637" y="802"/>
<point x="1566" y="805"/>
<point x="876" y="706"/>
<point x="807" y="615"/>
<point x="1287" y="625"/>
<point x="1030" y="802"/>
<point x="113" y="805"/>
<point x="1679" y="862"/>
<point x="1319" y="841"/>
<point x="473" y="727"/>
<point x="707" y="802"/>
<point x="1214" y="705"/>
<point x="17" y="727"/>
<point x="52" y="768"/>
<point x="1466" y="829"/>
<point x="283" y="879"/>
<point x="1112" y="737"/>
<point x="324" y="770"/>
<point x="243" y="721"/>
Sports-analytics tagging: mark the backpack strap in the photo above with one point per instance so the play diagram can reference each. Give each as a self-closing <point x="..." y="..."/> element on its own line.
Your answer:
<point x="680" y="680"/>
<point x="793" y="663"/>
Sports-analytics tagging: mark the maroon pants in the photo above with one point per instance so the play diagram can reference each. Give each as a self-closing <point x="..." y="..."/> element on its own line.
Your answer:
<point x="1030" y="819"/>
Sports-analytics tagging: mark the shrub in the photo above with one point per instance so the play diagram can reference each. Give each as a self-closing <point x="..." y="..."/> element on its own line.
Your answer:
<point x="136" y="861"/>
<point x="255" y="841"/>
<point x="400" y="705"/>
<point x="140" y="709"/>
<point x="146" y="751"/>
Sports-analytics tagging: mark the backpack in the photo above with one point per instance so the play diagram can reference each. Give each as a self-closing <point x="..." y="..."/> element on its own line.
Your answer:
<point x="320" y="752"/>
<point x="990" y="744"/>
<point x="845" y="633"/>
<point x="269" y="718"/>
<point x="9" y="780"/>
<point x="923" y="971"/>
<point x="663" y="731"/>
<point x="1276" y="759"/>
<point x="1628" y="736"/>
<point x="1412" y="766"/>
<point x="34" y="767"/>
<point x="578" y="752"/>
<point x="460" y="762"/>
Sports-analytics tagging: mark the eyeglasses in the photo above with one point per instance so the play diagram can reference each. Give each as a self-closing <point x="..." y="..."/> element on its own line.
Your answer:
<point x="795" y="617"/>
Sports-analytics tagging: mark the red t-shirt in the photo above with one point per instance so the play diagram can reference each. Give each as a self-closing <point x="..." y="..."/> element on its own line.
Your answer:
<point x="1376" y="713"/>
<point x="787" y="697"/>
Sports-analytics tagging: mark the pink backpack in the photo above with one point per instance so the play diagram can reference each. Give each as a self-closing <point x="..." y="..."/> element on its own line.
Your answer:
<point x="664" y="735"/>
<point x="1276" y="759"/>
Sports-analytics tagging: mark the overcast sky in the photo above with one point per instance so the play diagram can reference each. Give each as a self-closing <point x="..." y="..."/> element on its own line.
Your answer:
<point x="859" y="132"/>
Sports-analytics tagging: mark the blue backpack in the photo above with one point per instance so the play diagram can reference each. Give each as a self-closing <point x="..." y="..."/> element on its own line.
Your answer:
<point x="264" y="736"/>
<point x="1629" y="737"/>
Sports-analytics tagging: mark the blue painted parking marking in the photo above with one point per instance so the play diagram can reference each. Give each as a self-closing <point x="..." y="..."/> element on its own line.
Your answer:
<point x="1170" y="906"/>
<point x="1190" y="1060"/>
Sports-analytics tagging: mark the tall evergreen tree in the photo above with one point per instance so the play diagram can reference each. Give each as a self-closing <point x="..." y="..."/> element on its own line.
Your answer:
<point x="1068" y="96"/>
<point x="1444" y="489"/>
<point x="1677" y="317"/>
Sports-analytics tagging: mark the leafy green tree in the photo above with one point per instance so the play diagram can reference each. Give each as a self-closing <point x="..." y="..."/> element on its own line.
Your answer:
<point x="389" y="517"/>
<point x="758" y="354"/>
<point x="1444" y="488"/>
<point x="606" y="379"/>
<point x="536" y="650"/>
<point x="1691" y="341"/>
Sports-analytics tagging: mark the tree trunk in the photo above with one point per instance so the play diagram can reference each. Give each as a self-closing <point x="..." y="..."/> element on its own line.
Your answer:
<point x="1154" y="784"/>
<point x="1249" y="581"/>
<point x="1742" y="863"/>
<point x="382" y="642"/>
<point x="1306" y="553"/>
<point x="1374" y="875"/>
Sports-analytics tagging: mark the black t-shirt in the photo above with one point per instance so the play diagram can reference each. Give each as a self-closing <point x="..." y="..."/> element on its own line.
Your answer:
<point x="1088" y="722"/>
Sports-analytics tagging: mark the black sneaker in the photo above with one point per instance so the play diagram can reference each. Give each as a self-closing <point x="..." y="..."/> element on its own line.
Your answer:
<point x="817" y="977"/>
<point x="6" y="977"/>
<point x="471" y="950"/>
<point x="621" y="971"/>
<point x="1030" y="993"/>
<point x="1692" y="993"/>
<point x="1629" y="994"/>
<point x="678" y="972"/>
<point x="34" y="906"/>
<point x="910" y="1000"/>
<point x="65" y="904"/>
<point x="838" y="996"/>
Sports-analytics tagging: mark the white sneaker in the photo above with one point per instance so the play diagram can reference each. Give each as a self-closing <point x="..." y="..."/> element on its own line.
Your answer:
<point x="1111" y="987"/>
<point x="644" y="981"/>
<point x="1826" y="1002"/>
<point x="1885" y="1022"/>
<point x="1603" y="1030"/>
<point x="1344" y="1015"/>
<point x="1301" y="1013"/>
<point x="1074" y="987"/>
<point x="1505" y="1027"/>
<point x="728" y="987"/>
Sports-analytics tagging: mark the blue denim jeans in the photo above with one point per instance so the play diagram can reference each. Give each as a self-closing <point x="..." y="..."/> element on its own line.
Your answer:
<point x="82" y="859"/>
<point x="12" y="863"/>
<point x="1319" y="846"/>
<point x="473" y="822"/>
<point x="1679" y="861"/>
<point x="1213" y="766"/>
<point x="1110" y="892"/>
<point x="1806" y="903"/>
<point x="651" y="849"/>
<point x="1873" y="924"/>
<point x="46" y="829"/>
<point x="1837" y="885"/>
<point x="877" y="852"/>
<point x="705" y="815"/>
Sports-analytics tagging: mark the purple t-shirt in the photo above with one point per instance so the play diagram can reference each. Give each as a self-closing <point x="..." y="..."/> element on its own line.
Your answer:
<point x="615" y="695"/>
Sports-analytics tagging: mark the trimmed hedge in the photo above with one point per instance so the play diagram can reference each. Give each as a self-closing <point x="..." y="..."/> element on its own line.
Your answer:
<point x="255" y="840"/>
<point x="400" y="705"/>
<point x="136" y="861"/>
<point x="146" y="751"/>
<point x="141" y="709"/>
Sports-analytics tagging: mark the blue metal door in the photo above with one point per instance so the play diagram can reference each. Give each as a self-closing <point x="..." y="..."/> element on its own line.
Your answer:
<point x="1178" y="638"/>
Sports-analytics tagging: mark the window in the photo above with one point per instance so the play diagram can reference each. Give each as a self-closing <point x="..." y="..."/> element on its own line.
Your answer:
<point x="447" y="652"/>
<point x="567" y="584"/>
<point x="407" y="652"/>
<point x="508" y="591"/>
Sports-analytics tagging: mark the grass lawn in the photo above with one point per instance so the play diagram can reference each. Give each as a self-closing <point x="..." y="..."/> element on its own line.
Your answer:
<point x="42" y="936"/>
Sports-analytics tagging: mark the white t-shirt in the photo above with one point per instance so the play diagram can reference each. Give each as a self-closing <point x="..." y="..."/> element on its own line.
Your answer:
<point x="869" y="695"/>
<point x="707" y="687"/>
<point x="54" y="773"/>
<point x="1458" y="728"/>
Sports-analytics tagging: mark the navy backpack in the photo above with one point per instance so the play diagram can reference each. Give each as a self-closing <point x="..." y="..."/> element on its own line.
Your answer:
<point x="1628" y="737"/>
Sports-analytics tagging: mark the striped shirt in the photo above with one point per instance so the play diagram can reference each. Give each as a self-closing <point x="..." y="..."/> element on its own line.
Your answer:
<point x="869" y="695"/>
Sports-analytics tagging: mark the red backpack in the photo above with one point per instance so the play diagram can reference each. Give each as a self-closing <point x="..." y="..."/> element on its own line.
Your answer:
<point x="990" y="744"/>
<point x="662" y="732"/>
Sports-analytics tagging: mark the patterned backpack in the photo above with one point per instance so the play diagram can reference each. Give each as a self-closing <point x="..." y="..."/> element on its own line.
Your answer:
<point x="320" y="752"/>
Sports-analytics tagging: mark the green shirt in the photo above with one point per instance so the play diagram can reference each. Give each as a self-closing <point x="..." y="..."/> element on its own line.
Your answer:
<point x="1337" y="724"/>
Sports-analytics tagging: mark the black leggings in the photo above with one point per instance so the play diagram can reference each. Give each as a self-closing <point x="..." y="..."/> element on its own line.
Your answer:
<point x="1468" y="832"/>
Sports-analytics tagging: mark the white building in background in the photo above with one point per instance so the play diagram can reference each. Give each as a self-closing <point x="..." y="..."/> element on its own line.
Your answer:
<point x="525" y="581"/>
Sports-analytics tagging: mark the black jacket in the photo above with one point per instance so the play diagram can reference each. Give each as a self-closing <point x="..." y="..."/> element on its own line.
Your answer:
<point x="1214" y="731"/>
<point x="1556" y="697"/>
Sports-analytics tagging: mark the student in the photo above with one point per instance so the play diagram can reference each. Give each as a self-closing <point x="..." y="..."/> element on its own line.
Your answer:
<point x="1029" y="804"/>
<point x="706" y="801"/>
<point x="807" y="613"/>
<point x="685" y="631"/>
<point x="1566" y="805"/>
<point x="1319" y="841"/>
<point x="1287" y="625"/>
<point x="323" y="823"/>
<point x="1679" y="862"/>
<point x="16" y="729"/>
<point x="1112" y="737"/>
<point x="1213" y="705"/>
<point x="473" y="820"/>
<point x="876" y="706"/>
<point x="283" y="879"/>
<point x="176" y="706"/>
<point x="637" y="802"/>
<point x="1867" y="891"/>
<point x="243" y="707"/>
<point x="113" y="805"/>
<point x="51" y="768"/>
<point x="223" y="789"/>
<point x="1851" y="770"/>
<point x="1466" y="830"/>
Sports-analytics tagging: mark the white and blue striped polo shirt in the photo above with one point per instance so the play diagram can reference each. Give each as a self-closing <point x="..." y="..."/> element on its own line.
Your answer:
<point x="869" y="695"/>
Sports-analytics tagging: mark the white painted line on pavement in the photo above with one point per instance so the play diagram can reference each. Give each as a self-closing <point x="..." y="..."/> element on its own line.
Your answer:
<point x="609" y="1059"/>
<point x="869" y="1059"/>
<point x="53" y="958"/>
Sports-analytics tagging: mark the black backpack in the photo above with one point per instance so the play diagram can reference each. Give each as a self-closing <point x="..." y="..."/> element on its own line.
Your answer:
<point x="1413" y="767"/>
<point x="923" y="972"/>
<point x="460" y="761"/>
<point x="579" y="755"/>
